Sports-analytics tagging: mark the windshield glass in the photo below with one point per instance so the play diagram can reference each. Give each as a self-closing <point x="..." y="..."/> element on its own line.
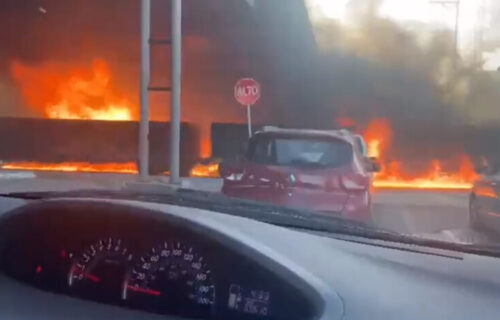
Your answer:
<point x="300" y="152"/>
<point x="383" y="112"/>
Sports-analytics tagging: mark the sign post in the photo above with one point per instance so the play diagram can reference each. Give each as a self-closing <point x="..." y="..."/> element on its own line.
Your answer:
<point x="175" y="106"/>
<point x="249" y="119"/>
<point x="144" y="94"/>
<point x="247" y="93"/>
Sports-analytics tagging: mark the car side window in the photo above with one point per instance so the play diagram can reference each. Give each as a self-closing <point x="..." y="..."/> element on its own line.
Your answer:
<point x="360" y="143"/>
<point x="263" y="151"/>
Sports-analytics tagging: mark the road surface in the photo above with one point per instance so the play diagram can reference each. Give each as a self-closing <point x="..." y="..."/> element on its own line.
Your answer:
<point x="439" y="214"/>
<point x="420" y="211"/>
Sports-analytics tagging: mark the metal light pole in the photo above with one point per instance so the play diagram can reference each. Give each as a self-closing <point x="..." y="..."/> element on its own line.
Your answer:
<point x="175" y="106"/>
<point x="144" y="94"/>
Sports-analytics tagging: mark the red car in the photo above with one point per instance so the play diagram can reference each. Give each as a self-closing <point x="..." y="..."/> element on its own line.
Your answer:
<point x="325" y="171"/>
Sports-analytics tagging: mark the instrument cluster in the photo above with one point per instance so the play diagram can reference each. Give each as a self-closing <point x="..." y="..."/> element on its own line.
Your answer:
<point x="142" y="260"/>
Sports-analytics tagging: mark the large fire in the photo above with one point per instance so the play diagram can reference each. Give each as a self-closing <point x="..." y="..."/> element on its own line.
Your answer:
<point x="378" y="137"/>
<point x="60" y="92"/>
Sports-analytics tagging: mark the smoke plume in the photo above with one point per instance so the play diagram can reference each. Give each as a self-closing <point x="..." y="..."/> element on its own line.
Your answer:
<point x="412" y="76"/>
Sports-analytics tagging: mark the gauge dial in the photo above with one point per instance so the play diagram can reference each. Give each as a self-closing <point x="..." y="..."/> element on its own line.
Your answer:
<point x="172" y="278"/>
<point x="100" y="268"/>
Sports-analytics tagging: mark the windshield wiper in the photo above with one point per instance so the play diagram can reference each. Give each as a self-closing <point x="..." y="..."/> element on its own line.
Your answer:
<point x="278" y="215"/>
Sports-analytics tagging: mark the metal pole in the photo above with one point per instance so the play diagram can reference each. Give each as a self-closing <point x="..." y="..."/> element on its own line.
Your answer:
<point x="249" y="116"/>
<point x="144" y="94"/>
<point x="175" y="107"/>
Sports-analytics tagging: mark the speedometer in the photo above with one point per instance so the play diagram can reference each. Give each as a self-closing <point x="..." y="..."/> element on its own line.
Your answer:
<point x="172" y="278"/>
<point x="99" y="269"/>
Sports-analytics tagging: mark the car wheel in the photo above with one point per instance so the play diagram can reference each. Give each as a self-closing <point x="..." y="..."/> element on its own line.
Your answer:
<point x="473" y="213"/>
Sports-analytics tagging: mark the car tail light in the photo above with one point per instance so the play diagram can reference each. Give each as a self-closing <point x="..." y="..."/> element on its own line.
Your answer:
<point x="231" y="171"/>
<point x="353" y="183"/>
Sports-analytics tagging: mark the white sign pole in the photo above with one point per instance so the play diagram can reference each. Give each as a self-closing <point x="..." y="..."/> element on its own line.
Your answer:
<point x="175" y="105"/>
<point x="249" y="116"/>
<point x="144" y="94"/>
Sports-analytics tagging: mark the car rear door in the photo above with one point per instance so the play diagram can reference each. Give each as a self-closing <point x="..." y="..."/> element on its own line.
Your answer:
<point x="276" y="181"/>
<point x="316" y="189"/>
<point x="254" y="183"/>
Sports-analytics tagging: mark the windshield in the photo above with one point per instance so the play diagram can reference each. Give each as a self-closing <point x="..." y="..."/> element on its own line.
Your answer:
<point x="295" y="152"/>
<point x="383" y="112"/>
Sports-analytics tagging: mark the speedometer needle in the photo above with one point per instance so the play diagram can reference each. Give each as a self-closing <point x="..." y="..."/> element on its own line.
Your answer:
<point x="144" y="290"/>
<point x="86" y="275"/>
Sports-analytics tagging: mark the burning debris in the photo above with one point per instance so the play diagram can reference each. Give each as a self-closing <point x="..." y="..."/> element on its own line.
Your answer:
<point x="207" y="168"/>
<point x="392" y="177"/>
<point x="395" y="174"/>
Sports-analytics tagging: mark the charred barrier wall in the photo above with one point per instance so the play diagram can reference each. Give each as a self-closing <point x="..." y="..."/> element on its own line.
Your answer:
<point x="228" y="139"/>
<point x="47" y="140"/>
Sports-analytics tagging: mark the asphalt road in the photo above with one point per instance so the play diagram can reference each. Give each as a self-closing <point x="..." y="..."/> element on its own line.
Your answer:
<point x="438" y="214"/>
<point x="418" y="211"/>
<point x="441" y="215"/>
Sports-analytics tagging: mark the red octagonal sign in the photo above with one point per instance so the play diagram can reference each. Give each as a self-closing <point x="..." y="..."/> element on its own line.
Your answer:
<point x="247" y="91"/>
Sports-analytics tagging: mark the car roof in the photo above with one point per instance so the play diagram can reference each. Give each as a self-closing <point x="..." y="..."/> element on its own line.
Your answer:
<point x="341" y="134"/>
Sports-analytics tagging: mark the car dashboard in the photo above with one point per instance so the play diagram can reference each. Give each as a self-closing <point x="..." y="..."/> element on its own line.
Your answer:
<point x="97" y="258"/>
<point x="142" y="260"/>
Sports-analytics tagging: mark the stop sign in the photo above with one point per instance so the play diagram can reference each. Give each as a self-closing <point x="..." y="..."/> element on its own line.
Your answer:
<point x="247" y="91"/>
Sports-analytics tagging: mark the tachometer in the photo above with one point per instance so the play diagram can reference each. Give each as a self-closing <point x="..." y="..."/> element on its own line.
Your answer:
<point x="171" y="278"/>
<point x="99" y="269"/>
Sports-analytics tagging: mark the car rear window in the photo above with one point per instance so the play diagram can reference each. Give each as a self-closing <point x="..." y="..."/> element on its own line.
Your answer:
<point x="300" y="152"/>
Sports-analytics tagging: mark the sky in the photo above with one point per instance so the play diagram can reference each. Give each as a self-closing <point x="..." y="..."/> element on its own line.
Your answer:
<point x="474" y="15"/>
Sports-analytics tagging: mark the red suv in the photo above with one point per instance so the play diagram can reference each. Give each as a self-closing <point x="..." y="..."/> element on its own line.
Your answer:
<point x="325" y="171"/>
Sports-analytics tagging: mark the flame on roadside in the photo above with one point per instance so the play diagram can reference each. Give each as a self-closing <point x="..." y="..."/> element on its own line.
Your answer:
<point x="76" y="92"/>
<point x="126" y="167"/>
<point x="378" y="137"/>
<point x="209" y="170"/>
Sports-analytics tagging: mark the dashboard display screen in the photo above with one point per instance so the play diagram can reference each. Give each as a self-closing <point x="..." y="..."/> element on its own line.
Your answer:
<point x="249" y="300"/>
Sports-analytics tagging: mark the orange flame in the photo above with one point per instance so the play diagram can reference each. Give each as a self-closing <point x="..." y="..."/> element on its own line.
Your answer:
<point x="77" y="93"/>
<point x="374" y="148"/>
<point x="206" y="148"/>
<point x="82" y="93"/>
<point x="126" y="167"/>
<point x="210" y="170"/>
<point x="378" y="137"/>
